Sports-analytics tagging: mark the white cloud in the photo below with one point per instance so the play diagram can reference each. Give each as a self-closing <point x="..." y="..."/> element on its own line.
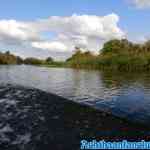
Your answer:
<point x="85" y="31"/>
<point x="52" y="46"/>
<point x="14" y="31"/>
<point x="141" y="3"/>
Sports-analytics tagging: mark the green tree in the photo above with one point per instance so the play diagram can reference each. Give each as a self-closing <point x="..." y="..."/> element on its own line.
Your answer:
<point x="49" y="60"/>
<point x="33" y="61"/>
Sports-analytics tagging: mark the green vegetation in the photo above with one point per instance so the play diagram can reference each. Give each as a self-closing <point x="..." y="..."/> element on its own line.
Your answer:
<point x="48" y="62"/>
<point x="55" y="64"/>
<point x="7" y="58"/>
<point x="83" y="60"/>
<point x="120" y="55"/>
<point x="33" y="61"/>
<point x="116" y="55"/>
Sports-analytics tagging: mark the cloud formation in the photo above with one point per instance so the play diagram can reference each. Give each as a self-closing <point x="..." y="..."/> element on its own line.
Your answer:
<point x="141" y="3"/>
<point x="52" y="46"/>
<point x="85" y="31"/>
<point x="12" y="31"/>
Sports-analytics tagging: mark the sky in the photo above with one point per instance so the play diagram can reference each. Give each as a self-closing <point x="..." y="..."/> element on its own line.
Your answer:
<point x="36" y="28"/>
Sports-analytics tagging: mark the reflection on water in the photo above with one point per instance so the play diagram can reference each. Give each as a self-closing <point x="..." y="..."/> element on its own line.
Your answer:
<point x="123" y="94"/>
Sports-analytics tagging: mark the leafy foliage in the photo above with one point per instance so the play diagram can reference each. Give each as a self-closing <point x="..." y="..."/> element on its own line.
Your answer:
<point x="115" y="55"/>
<point x="49" y="60"/>
<point x="33" y="61"/>
<point x="8" y="58"/>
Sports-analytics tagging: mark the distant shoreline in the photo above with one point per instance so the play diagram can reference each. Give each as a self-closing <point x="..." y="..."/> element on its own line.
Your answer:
<point x="116" y="55"/>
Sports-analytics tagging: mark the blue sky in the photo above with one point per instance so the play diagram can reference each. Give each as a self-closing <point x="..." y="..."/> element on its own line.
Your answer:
<point x="133" y="18"/>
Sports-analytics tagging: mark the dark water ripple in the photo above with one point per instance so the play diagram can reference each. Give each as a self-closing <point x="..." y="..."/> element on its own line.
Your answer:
<point x="31" y="119"/>
<point x="20" y="113"/>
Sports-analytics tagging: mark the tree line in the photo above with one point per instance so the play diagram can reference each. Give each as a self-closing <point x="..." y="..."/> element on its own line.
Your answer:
<point x="7" y="58"/>
<point x="121" y="55"/>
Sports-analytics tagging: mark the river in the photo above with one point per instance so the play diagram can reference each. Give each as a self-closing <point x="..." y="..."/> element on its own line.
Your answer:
<point x="123" y="94"/>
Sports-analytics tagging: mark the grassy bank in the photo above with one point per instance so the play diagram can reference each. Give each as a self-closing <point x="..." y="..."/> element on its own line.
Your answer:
<point x="55" y="64"/>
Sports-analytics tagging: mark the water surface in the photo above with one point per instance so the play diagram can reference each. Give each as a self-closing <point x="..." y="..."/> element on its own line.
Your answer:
<point x="123" y="94"/>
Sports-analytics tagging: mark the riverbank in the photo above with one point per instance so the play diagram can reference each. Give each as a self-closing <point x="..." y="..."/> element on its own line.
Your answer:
<point x="33" y="119"/>
<point x="115" y="55"/>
